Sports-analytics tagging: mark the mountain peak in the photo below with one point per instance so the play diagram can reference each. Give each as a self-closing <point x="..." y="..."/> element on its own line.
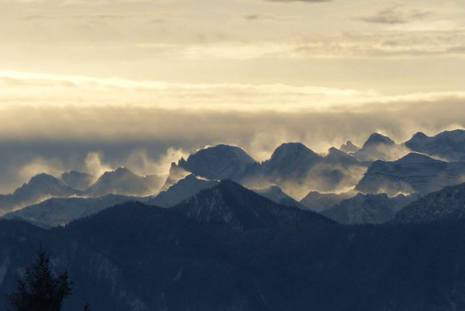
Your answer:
<point x="118" y="173"/>
<point x="125" y="182"/>
<point x="378" y="139"/>
<point x="417" y="141"/>
<point x="414" y="172"/>
<point x="222" y="150"/>
<point x="39" y="187"/>
<point x="218" y="162"/>
<point x="349" y="147"/>
<point x="291" y="160"/>
<point x="338" y="157"/>
<point x="122" y="171"/>
<point x="41" y="182"/>
<point x="334" y="153"/>
<point x="43" y="177"/>
<point x="232" y="205"/>
<point x="448" y="145"/>
<point x="292" y="149"/>
<point x="419" y="135"/>
<point x="334" y="150"/>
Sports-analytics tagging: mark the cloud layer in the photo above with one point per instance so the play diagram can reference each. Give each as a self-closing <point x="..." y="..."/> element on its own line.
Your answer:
<point x="148" y="139"/>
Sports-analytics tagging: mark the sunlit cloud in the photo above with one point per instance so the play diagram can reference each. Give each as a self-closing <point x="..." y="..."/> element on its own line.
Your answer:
<point x="45" y="90"/>
<point x="56" y="90"/>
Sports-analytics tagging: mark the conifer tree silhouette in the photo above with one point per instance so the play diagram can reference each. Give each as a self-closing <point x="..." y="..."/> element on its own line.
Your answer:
<point x="40" y="289"/>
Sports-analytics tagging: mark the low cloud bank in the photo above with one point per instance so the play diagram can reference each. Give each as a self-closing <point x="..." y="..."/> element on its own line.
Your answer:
<point x="57" y="139"/>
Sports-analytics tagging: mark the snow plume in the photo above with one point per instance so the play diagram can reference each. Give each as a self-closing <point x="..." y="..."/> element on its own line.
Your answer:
<point x="334" y="178"/>
<point x="94" y="164"/>
<point x="143" y="164"/>
<point x="383" y="152"/>
<point x="40" y="165"/>
<point x="139" y="161"/>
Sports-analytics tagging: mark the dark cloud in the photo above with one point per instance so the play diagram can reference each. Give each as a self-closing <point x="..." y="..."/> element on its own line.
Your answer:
<point x="394" y="15"/>
<point x="254" y="17"/>
<point x="266" y="17"/>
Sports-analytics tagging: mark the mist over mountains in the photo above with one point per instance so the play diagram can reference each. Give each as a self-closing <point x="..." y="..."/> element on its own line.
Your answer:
<point x="376" y="227"/>
<point x="293" y="173"/>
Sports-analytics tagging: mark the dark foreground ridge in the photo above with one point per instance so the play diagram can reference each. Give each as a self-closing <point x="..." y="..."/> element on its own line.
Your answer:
<point x="228" y="248"/>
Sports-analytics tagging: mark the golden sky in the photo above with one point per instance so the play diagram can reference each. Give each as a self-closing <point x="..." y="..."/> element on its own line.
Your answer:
<point x="334" y="48"/>
<point x="155" y="74"/>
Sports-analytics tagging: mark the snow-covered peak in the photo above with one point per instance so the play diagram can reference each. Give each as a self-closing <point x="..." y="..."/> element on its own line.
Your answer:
<point x="338" y="156"/>
<point x="124" y="182"/>
<point x="43" y="183"/>
<point x="291" y="161"/>
<point x="218" y="162"/>
<point x="448" y="145"/>
<point x="376" y="139"/>
<point x="293" y="151"/>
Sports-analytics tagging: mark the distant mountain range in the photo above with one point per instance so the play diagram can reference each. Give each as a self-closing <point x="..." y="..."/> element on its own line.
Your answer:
<point x="40" y="187"/>
<point x="61" y="211"/>
<point x="293" y="168"/>
<point x="124" y="182"/>
<point x="367" y="209"/>
<point x="376" y="227"/>
<point x="414" y="173"/>
<point x="449" y="145"/>
<point x="297" y="169"/>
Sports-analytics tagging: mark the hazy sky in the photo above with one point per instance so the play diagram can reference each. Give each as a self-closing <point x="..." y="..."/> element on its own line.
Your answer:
<point x="120" y="76"/>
